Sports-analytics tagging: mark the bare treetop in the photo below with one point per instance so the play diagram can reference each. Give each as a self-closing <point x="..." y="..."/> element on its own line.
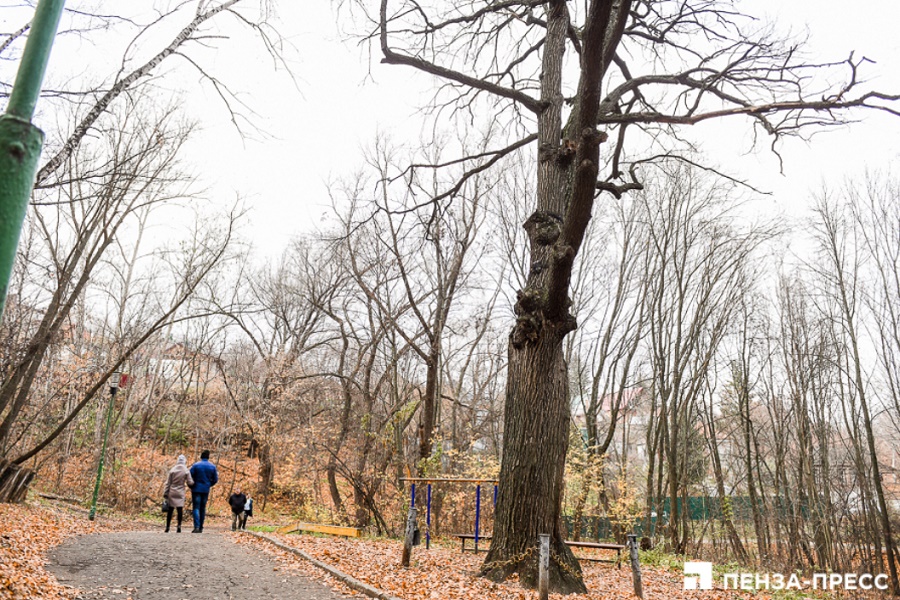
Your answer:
<point x="657" y="65"/>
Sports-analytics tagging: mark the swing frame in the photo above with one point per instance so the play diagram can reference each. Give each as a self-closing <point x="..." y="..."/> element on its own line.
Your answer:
<point x="431" y="480"/>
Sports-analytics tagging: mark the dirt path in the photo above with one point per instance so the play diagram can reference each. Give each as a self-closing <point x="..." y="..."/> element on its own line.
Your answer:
<point x="151" y="565"/>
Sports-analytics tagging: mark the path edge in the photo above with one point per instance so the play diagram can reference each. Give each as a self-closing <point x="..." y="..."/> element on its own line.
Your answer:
<point x="351" y="582"/>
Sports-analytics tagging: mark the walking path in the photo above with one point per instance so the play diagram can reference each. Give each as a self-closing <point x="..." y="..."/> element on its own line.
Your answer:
<point x="151" y="565"/>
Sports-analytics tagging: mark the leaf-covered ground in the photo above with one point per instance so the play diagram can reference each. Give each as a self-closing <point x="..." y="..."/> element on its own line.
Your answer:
<point x="27" y="533"/>
<point x="448" y="574"/>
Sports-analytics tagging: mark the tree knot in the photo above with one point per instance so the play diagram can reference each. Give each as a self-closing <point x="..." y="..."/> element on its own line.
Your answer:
<point x="563" y="253"/>
<point x="543" y="227"/>
<point x="567" y="151"/>
<point x="529" y="318"/>
<point x="592" y="136"/>
<point x="526" y="330"/>
<point x="527" y="301"/>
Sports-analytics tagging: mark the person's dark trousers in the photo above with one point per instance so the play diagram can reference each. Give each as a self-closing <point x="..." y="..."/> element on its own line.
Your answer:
<point x="243" y="521"/>
<point x="169" y="517"/>
<point x="237" y="519"/>
<point x="198" y="502"/>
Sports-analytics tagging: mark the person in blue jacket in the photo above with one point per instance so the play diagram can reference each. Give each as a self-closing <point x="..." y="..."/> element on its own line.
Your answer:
<point x="205" y="476"/>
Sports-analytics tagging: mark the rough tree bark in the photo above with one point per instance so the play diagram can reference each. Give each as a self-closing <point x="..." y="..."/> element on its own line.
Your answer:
<point x="531" y="466"/>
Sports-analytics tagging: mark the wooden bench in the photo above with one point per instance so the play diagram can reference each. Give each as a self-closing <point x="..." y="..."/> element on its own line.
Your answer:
<point x="600" y="546"/>
<point x="470" y="536"/>
<point x="316" y="528"/>
<point x="596" y="545"/>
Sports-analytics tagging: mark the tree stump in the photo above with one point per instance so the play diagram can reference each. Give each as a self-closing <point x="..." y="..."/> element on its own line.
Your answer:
<point x="14" y="482"/>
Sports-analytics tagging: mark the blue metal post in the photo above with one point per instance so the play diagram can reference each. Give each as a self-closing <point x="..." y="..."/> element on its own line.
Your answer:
<point x="495" y="495"/>
<point x="477" y="513"/>
<point x="428" y="519"/>
<point x="412" y="501"/>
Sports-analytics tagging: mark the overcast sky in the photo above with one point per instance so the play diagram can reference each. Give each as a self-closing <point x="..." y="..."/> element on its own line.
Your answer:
<point x="315" y="130"/>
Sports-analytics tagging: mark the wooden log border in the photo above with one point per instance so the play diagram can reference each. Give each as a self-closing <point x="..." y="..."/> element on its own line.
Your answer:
<point x="349" y="581"/>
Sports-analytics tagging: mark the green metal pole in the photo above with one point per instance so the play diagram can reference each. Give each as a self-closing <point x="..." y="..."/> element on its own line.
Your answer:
<point x="109" y="413"/>
<point x="20" y="141"/>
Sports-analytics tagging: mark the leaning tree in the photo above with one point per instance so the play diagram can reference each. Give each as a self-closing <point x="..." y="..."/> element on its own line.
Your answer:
<point x="594" y="89"/>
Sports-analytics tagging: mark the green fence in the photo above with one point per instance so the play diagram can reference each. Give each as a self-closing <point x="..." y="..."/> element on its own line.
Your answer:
<point x="704" y="508"/>
<point x="600" y="528"/>
<point x="700" y="508"/>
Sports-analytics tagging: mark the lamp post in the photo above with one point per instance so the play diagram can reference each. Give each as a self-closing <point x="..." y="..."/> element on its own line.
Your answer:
<point x="20" y="141"/>
<point x="113" y="388"/>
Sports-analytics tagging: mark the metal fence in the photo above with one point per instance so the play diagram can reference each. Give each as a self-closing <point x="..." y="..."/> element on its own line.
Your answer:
<point x="699" y="508"/>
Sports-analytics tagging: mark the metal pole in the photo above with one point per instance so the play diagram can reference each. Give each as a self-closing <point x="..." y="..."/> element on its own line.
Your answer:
<point x="20" y="141"/>
<point x="635" y="566"/>
<point x="477" y="514"/>
<point x="495" y="495"/>
<point x="109" y="413"/>
<point x="446" y="480"/>
<point x="544" y="567"/>
<point x="412" y="499"/>
<point x="428" y="519"/>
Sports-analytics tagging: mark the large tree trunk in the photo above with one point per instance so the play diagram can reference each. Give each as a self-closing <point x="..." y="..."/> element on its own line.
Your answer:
<point x="536" y="420"/>
<point x="536" y="428"/>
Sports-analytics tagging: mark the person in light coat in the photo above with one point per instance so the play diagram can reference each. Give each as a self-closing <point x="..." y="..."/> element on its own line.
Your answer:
<point x="178" y="481"/>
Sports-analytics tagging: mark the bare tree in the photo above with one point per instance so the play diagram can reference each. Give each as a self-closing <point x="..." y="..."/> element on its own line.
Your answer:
<point x="196" y="19"/>
<point x="77" y="238"/>
<point x="691" y="62"/>
<point x="699" y="272"/>
<point x="875" y="210"/>
<point x="609" y="288"/>
<point x="277" y="309"/>
<point x="375" y="368"/>
<point x="77" y="234"/>
<point x="430" y="250"/>
<point x="835" y="238"/>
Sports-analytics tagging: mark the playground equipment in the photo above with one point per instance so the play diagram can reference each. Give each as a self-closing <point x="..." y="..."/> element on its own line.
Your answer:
<point x="544" y="546"/>
<point x="428" y="481"/>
